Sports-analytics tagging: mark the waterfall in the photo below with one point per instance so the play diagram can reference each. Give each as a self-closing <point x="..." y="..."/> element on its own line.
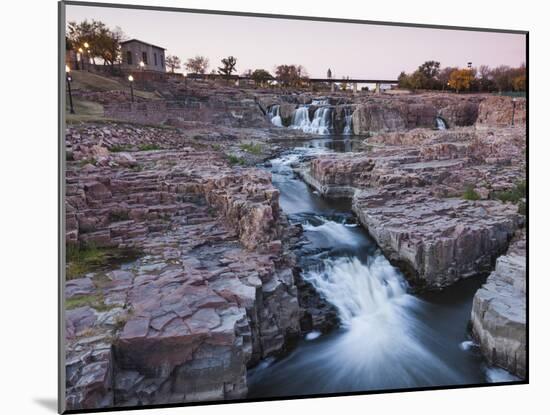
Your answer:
<point x="300" y="119"/>
<point x="360" y="291"/>
<point x="440" y="123"/>
<point x="321" y="123"/>
<point x="274" y="114"/>
<point x="348" y="127"/>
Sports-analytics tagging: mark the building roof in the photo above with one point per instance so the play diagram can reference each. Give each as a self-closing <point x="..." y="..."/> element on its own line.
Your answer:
<point x="142" y="42"/>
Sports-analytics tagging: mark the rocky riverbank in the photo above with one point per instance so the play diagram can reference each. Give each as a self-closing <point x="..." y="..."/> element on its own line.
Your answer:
<point x="433" y="200"/>
<point x="212" y="290"/>
<point x="181" y="268"/>
<point x="499" y="311"/>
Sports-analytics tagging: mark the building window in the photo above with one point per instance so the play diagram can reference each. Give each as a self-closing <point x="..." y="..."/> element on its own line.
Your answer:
<point x="129" y="58"/>
<point x="162" y="60"/>
<point x="144" y="57"/>
<point x="155" y="55"/>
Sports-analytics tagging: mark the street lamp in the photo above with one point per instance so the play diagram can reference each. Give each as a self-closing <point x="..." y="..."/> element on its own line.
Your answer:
<point x="81" y="54"/>
<point x="141" y="65"/>
<point x="87" y="50"/>
<point x="470" y="76"/>
<point x="69" y="79"/>
<point x="131" y="79"/>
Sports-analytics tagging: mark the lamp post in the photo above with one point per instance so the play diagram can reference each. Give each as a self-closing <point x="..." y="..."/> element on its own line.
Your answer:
<point x="81" y="55"/>
<point x="470" y="76"/>
<point x="69" y="79"/>
<point x="131" y="79"/>
<point x="141" y="67"/>
<point x="87" y="48"/>
<point x="513" y="110"/>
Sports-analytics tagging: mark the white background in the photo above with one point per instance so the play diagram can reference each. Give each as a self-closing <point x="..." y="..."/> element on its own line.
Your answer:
<point x="28" y="151"/>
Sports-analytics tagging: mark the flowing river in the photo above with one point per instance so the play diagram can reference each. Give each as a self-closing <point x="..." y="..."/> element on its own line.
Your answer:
<point x="388" y="338"/>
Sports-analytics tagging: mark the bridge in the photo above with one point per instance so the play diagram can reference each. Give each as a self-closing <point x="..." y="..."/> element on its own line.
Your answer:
<point x="333" y="81"/>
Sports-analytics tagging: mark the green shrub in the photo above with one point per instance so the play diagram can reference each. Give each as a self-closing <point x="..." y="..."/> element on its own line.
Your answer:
<point x="514" y="195"/>
<point x="235" y="160"/>
<point x="470" y="193"/>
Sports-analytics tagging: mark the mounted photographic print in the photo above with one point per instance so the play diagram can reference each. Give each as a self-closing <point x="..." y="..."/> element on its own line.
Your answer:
<point x="261" y="206"/>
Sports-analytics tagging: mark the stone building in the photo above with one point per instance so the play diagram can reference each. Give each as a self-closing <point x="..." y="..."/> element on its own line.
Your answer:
<point x="135" y="51"/>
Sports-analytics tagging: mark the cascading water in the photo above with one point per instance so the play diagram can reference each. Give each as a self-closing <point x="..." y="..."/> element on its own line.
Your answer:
<point x="440" y="123"/>
<point x="321" y="123"/>
<point x="274" y="114"/>
<point x="348" y="116"/>
<point x="388" y="338"/>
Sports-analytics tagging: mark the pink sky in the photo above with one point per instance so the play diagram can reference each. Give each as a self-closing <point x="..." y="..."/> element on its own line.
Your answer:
<point x="354" y="50"/>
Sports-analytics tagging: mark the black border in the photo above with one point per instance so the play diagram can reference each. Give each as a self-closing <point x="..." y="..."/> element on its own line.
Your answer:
<point x="61" y="199"/>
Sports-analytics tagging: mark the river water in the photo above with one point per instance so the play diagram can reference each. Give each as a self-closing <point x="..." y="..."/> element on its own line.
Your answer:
<point x="388" y="338"/>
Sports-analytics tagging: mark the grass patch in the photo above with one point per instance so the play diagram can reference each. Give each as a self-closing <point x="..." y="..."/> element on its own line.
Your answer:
<point x="470" y="193"/>
<point x="93" y="300"/>
<point x="84" y="111"/>
<point x="216" y="147"/>
<point x="149" y="147"/>
<point x="252" y="148"/>
<point x="120" y="148"/>
<point x="83" y="162"/>
<point x="84" y="259"/>
<point x="235" y="160"/>
<point x="514" y="195"/>
<point x="88" y="81"/>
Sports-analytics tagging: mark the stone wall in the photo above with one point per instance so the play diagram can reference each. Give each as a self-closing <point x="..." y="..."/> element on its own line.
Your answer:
<point x="236" y="114"/>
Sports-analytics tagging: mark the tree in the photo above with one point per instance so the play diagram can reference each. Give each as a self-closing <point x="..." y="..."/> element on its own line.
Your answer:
<point x="501" y="76"/>
<point x="430" y="69"/>
<point x="261" y="76"/>
<point x="425" y="77"/>
<point x="228" y="67"/>
<point x="444" y="76"/>
<point x="519" y="83"/>
<point x="329" y="74"/>
<point x="198" y="64"/>
<point x="403" y="80"/>
<point x="484" y="78"/>
<point x="291" y="75"/>
<point x="172" y="62"/>
<point x="461" y="79"/>
<point x="103" y="42"/>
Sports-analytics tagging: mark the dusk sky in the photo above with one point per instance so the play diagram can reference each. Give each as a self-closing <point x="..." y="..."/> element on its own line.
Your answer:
<point x="354" y="50"/>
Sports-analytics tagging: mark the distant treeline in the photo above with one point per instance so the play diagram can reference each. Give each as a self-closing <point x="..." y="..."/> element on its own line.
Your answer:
<point x="429" y="75"/>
